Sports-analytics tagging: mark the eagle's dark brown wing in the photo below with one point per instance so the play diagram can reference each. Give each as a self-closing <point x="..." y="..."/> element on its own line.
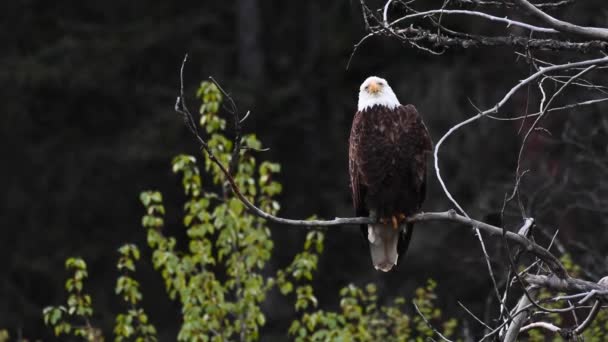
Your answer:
<point x="420" y="139"/>
<point x="421" y="145"/>
<point x="357" y="188"/>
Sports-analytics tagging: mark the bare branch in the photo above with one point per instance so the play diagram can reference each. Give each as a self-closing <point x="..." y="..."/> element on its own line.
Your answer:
<point x="467" y="41"/>
<point x="544" y="325"/>
<point x="507" y="21"/>
<point x="520" y="317"/>
<point x="543" y="110"/>
<point x="554" y="109"/>
<point x="473" y="315"/>
<point x="502" y="3"/>
<point x="521" y="84"/>
<point x="564" y="26"/>
<point x="590" y="317"/>
<point x="568" y="285"/>
<point x="567" y="333"/>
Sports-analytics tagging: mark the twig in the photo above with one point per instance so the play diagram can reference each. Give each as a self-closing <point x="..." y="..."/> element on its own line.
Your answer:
<point x="528" y="223"/>
<point x="554" y="109"/>
<point x="473" y="315"/>
<point x="529" y="296"/>
<point x="385" y="13"/>
<point x="429" y="324"/>
<point x="245" y="117"/>
<point x="590" y="317"/>
<point x="544" y="325"/>
<point x="543" y="110"/>
<point x="498" y="105"/>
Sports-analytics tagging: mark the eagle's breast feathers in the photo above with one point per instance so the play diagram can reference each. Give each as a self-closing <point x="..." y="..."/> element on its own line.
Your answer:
<point x="387" y="158"/>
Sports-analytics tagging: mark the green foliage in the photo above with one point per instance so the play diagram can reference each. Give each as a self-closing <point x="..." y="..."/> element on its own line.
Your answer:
<point x="211" y="99"/>
<point x="132" y="325"/>
<point x="361" y="319"/>
<point x="73" y="319"/>
<point x="218" y="280"/>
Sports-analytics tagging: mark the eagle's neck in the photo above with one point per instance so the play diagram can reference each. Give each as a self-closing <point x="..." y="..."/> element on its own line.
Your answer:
<point x="386" y="99"/>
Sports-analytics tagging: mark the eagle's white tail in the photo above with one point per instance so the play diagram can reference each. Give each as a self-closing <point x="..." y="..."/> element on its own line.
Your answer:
<point x="383" y="239"/>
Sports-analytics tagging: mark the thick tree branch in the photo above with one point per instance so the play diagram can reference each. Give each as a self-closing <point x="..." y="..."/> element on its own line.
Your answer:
<point x="507" y="21"/>
<point x="520" y="317"/>
<point x="568" y="285"/>
<point x="507" y="4"/>
<point x="564" y="26"/>
<point x="420" y="35"/>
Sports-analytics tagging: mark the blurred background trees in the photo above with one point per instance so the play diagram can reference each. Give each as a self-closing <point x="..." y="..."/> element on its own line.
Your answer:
<point x="88" y="123"/>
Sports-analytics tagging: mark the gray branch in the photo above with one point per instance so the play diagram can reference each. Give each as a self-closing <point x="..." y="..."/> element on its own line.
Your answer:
<point x="420" y="35"/>
<point x="564" y="26"/>
<point x="520" y="317"/>
<point x="568" y="285"/>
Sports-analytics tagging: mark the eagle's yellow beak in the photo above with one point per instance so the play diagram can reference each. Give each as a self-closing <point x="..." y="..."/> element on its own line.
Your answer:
<point x="373" y="87"/>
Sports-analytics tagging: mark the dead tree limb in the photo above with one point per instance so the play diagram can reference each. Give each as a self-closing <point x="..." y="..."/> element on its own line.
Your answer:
<point x="421" y="35"/>
<point x="564" y="26"/>
<point x="568" y="285"/>
<point x="520" y="317"/>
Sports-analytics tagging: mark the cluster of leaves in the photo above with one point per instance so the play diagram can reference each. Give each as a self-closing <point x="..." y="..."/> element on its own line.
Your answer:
<point x="73" y="319"/>
<point x="596" y="332"/>
<point x="219" y="277"/>
<point x="361" y="319"/>
<point x="134" y="324"/>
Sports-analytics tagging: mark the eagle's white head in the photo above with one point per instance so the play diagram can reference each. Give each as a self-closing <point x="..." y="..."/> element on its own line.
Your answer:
<point x="376" y="91"/>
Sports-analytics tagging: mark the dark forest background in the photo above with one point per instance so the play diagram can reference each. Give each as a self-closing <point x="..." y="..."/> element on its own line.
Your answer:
<point x="87" y="96"/>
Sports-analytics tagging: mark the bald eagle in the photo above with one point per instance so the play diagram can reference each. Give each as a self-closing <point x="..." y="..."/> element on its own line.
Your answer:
<point x="388" y="150"/>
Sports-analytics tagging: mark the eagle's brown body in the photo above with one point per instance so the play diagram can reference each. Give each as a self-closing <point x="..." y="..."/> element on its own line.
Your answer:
<point x="387" y="161"/>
